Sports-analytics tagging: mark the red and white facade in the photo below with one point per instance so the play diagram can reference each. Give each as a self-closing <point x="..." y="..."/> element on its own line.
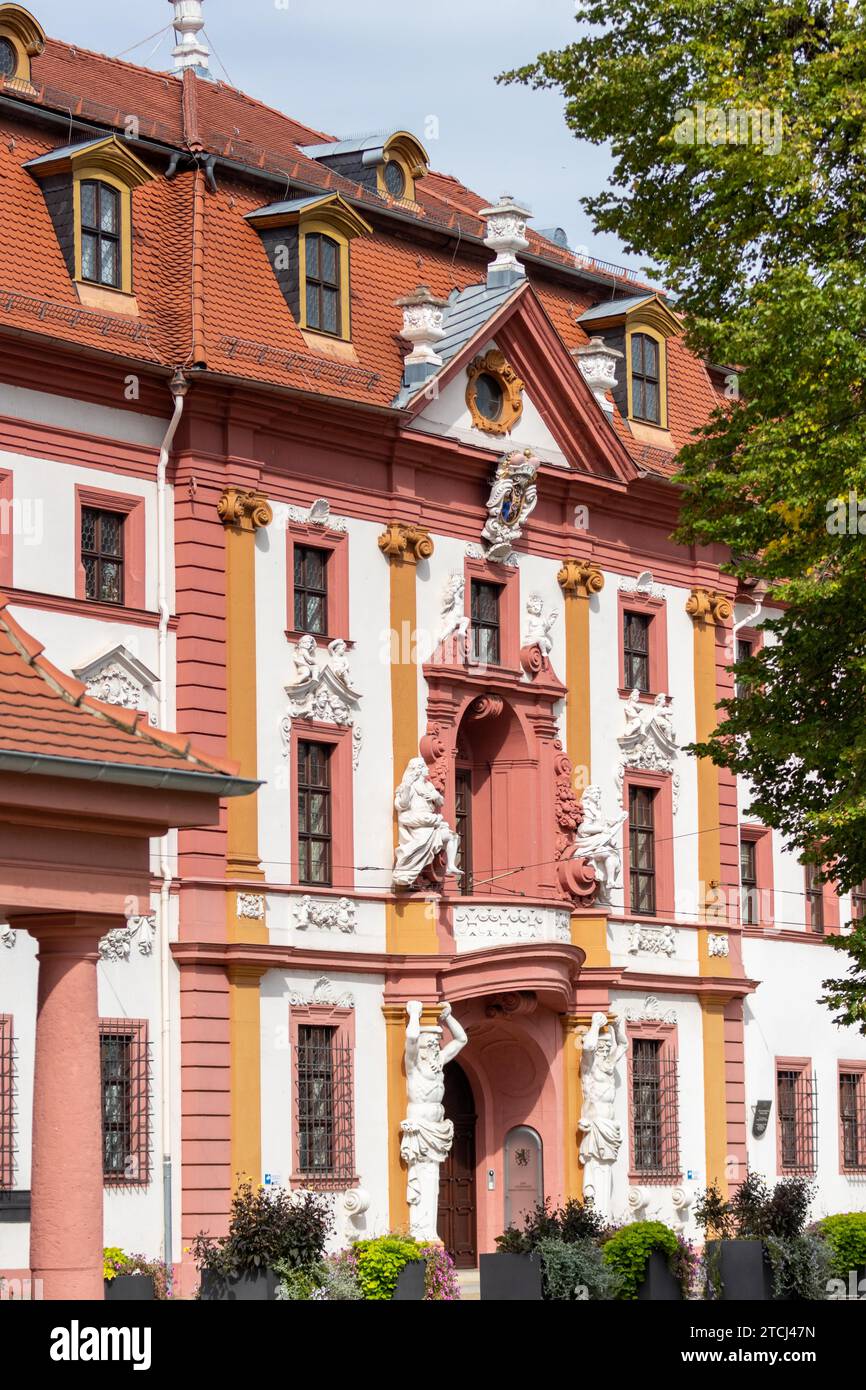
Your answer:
<point x="295" y="474"/>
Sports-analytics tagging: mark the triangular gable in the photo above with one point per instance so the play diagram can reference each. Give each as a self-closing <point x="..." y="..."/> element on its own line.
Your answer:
<point x="552" y="380"/>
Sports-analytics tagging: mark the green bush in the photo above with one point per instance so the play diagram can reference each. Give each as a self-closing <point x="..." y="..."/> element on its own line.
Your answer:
<point x="802" y="1267"/>
<point x="380" y="1262"/>
<point x="627" y="1254"/>
<point x="575" y="1271"/>
<point x="267" y="1226"/>
<point x="298" y="1285"/>
<point x="845" y="1234"/>
<point x="568" y="1223"/>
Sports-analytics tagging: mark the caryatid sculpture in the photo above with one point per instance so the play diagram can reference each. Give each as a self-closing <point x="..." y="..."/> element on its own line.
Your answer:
<point x="602" y="1049"/>
<point x="424" y="833"/>
<point x="426" y="1135"/>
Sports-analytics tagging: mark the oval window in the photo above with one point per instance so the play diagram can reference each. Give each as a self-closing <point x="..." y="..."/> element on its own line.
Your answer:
<point x="395" y="179"/>
<point x="8" y="58"/>
<point x="489" y="396"/>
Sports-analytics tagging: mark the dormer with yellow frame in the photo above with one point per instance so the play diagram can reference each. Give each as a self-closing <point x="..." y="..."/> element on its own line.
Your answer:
<point x="88" y="189"/>
<point x="21" y="39"/>
<point x="307" y="241"/>
<point x="639" y="327"/>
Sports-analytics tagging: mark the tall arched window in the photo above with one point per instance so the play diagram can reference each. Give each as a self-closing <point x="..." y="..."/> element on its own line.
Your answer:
<point x="323" y="284"/>
<point x="645" y="394"/>
<point x="100" y="234"/>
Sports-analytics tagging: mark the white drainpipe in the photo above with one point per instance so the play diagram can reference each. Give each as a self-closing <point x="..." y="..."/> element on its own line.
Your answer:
<point x="178" y="387"/>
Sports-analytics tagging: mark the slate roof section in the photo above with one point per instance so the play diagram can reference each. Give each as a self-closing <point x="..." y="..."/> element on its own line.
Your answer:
<point x="613" y="306"/>
<point x="49" y="724"/>
<point x="464" y="318"/>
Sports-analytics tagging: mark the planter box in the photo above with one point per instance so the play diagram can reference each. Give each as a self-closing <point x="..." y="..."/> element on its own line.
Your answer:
<point x="743" y="1268"/>
<point x="410" y="1284"/>
<point x="511" y="1278"/>
<point x="129" y="1288"/>
<point x="260" y="1287"/>
<point x="659" y="1285"/>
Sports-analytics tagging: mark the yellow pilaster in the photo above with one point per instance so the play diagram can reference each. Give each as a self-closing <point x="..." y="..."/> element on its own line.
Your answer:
<point x="243" y="512"/>
<point x="579" y="580"/>
<point x="403" y="545"/>
<point x="715" y="1107"/>
<point x="410" y="928"/>
<point x="573" y="1103"/>
<point x="395" y="1041"/>
<point x="590" y="934"/>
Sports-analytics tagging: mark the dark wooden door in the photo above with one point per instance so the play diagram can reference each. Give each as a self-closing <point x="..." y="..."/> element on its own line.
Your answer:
<point x="457" y="1217"/>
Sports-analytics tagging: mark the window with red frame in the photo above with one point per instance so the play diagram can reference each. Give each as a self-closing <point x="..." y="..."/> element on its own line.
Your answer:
<point x="636" y="647"/>
<point x="311" y="590"/>
<point x="858" y="902"/>
<point x="124" y="1060"/>
<point x="314" y="813"/>
<point x="814" y="901"/>
<point x="102" y="555"/>
<point x="485" y="622"/>
<point x="852" y="1119"/>
<point x="654" y="1109"/>
<point x="797" y="1099"/>
<point x="7" y="1103"/>
<point x="463" y="823"/>
<point x="641" y="850"/>
<point x="325" y="1112"/>
<point x="749" y="914"/>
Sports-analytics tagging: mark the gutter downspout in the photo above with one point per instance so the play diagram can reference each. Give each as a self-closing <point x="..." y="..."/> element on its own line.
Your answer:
<point x="178" y="387"/>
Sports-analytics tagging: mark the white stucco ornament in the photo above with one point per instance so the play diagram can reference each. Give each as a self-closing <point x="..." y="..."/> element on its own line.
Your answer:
<point x="455" y="621"/>
<point x="597" y="839"/>
<point x="513" y="498"/>
<point x="322" y="691"/>
<point x="324" y="993"/>
<point x="426" y="841"/>
<point x="651" y="1012"/>
<point x="8" y="936"/>
<point x="251" y="905"/>
<point x="117" y="677"/>
<point x="117" y="944"/>
<point x="602" y="1048"/>
<point x="597" y="363"/>
<point x="506" y="235"/>
<point x="651" y="941"/>
<point x="506" y="925"/>
<point x="539" y="625"/>
<point x="425" y="1134"/>
<point x="319" y="514"/>
<point x="324" y="914"/>
<point x="718" y="944"/>
<point x="423" y="326"/>
<point x="648" y="741"/>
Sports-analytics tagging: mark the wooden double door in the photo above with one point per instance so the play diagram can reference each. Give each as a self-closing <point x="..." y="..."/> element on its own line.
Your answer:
<point x="457" y="1197"/>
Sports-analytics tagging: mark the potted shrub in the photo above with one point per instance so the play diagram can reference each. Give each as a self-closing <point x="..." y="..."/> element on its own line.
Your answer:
<point x="269" y="1228"/>
<point x="133" y="1278"/>
<point x="391" y="1267"/>
<point x="757" y="1246"/>
<point x="517" y="1272"/>
<point x="649" y="1261"/>
<point x="574" y="1271"/>
<point x="845" y="1238"/>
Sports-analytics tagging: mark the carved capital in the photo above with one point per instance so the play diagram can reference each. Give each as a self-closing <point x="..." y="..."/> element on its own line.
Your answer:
<point x="580" y="578"/>
<point x="709" y="606"/>
<point x="401" y="540"/>
<point x="245" y="508"/>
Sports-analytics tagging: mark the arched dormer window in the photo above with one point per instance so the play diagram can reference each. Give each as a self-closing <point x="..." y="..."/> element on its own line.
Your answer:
<point x="645" y="378"/>
<point x="21" y="39"/>
<point x="101" y="252"/>
<point x="322" y="261"/>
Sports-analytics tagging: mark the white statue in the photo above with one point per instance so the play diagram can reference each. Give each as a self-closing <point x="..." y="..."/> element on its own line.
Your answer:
<point x="662" y="717"/>
<point x="538" y="625"/>
<point x="597" y="840"/>
<point x="306" y="659"/>
<point x="633" y="711"/>
<point x="426" y="1135"/>
<point x="424" y="832"/>
<point x="339" y="660"/>
<point x="603" y="1047"/>
<point x="513" y="498"/>
<point x="454" y="619"/>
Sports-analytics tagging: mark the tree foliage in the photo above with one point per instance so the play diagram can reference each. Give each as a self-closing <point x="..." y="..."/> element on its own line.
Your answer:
<point x="758" y="224"/>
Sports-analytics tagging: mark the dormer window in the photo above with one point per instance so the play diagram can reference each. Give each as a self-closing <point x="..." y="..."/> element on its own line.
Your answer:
<point x="388" y="165"/>
<point x="322" y="261"/>
<point x="395" y="179"/>
<point x="21" y="39"/>
<point x="307" y="241"/>
<point x="645" y="378"/>
<point x="100" y="233"/>
<point x="8" y="58"/>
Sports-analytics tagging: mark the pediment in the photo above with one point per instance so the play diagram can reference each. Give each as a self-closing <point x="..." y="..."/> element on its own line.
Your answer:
<point x="117" y="677"/>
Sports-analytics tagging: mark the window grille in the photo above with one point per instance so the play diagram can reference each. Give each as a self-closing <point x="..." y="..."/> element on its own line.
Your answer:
<point x="7" y="1103"/>
<point x="635" y="639"/>
<point x="655" y="1109"/>
<point x="485" y="622"/>
<point x="852" y="1116"/>
<point x="326" y="1125"/>
<point x="124" y="1056"/>
<point x="797" y="1092"/>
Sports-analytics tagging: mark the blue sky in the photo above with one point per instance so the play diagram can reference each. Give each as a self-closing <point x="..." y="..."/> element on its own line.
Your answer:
<point x="350" y="68"/>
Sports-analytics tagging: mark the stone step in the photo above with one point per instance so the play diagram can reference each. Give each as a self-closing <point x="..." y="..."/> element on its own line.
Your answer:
<point x="469" y="1281"/>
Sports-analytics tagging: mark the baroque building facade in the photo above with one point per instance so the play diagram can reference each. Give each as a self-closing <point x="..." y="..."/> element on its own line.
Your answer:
<point x="315" y="456"/>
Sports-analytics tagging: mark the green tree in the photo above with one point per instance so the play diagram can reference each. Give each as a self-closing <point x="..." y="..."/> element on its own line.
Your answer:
<point x="738" y="134"/>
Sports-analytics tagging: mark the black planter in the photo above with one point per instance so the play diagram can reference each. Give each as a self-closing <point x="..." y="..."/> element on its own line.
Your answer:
<point x="410" y="1283"/>
<point x="511" y="1278"/>
<point x="659" y="1285"/>
<point x="130" y="1288"/>
<point x="260" y="1287"/>
<point x="743" y="1269"/>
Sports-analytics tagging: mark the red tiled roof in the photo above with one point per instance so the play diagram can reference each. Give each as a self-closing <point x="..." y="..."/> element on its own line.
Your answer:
<point x="205" y="291"/>
<point x="47" y="713"/>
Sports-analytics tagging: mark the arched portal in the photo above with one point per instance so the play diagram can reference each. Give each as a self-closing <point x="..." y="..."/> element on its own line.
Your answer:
<point x="457" y="1223"/>
<point x="494" y="796"/>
